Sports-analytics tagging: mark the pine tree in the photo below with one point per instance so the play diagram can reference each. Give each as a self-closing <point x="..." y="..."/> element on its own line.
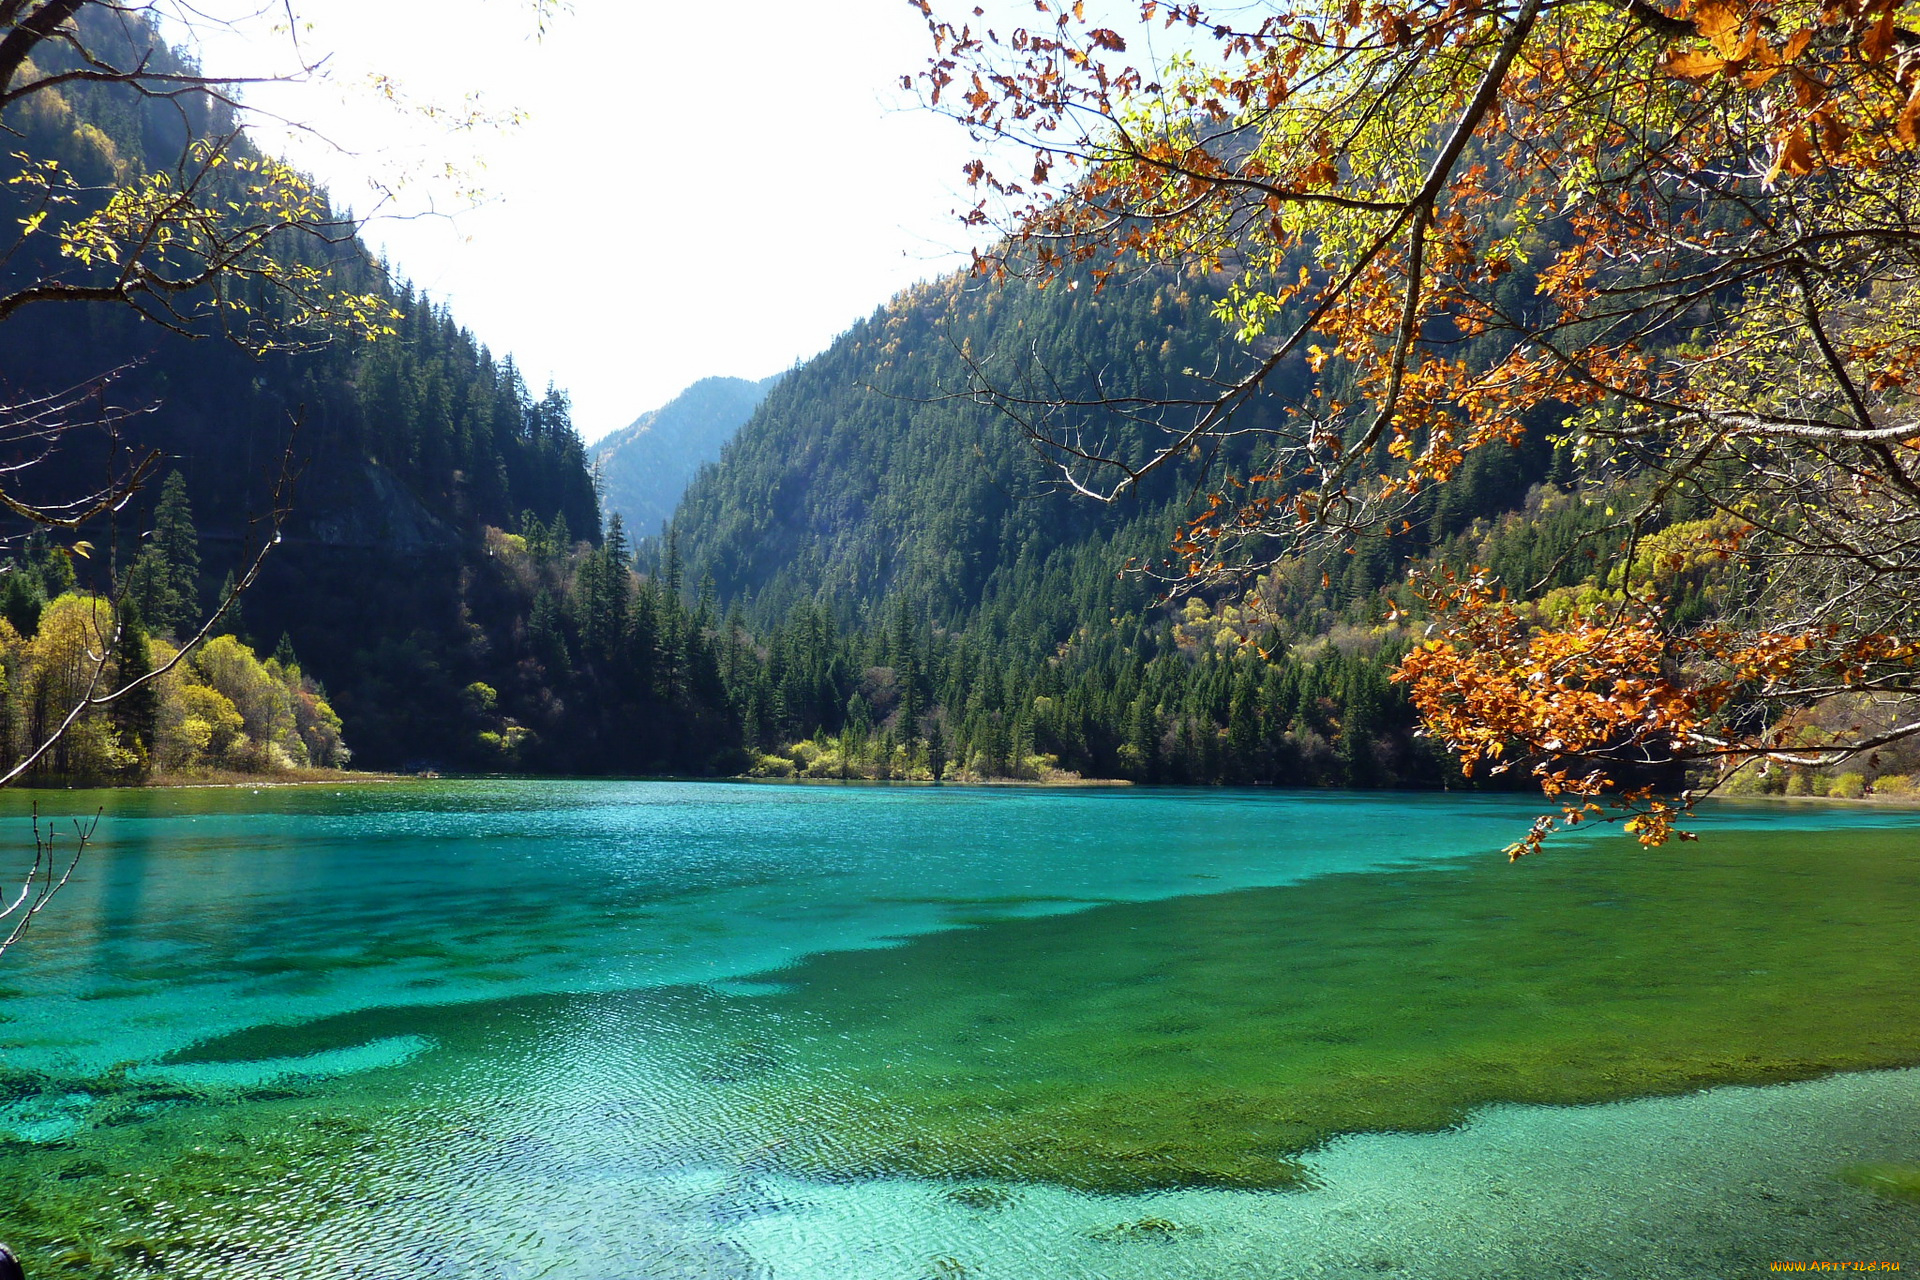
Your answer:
<point x="936" y="750"/>
<point x="1243" y="727"/>
<point x="148" y="583"/>
<point x="539" y="543"/>
<point x="233" y="622"/>
<point x="135" y="713"/>
<point x="616" y="542"/>
<point x="674" y="568"/>
<point x="909" y="699"/>
<point x="543" y="633"/>
<point x="176" y="548"/>
<point x="21" y="599"/>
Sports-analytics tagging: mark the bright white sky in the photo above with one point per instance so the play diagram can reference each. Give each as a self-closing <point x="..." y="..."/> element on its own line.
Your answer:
<point x="695" y="189"/>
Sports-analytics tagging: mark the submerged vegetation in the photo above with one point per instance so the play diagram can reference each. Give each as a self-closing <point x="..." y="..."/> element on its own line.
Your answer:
<point x="1894" y="1181"/>
<point x="1213" y="1041"/>
<point x="199" y="1203"/>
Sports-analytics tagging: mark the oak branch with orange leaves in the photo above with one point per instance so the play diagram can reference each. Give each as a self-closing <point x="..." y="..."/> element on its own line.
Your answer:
<point x="1715" y="203"/>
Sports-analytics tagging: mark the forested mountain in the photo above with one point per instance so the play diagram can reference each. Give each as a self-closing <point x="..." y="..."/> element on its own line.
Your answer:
<point x="871" y="496"/>
<point x="644" y="467"/>
<point x="407" y="449"/>
<point x="866" y="475"/>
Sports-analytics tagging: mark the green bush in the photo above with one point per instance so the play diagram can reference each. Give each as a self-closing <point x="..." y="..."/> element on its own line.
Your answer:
<point x="1747" y="780"/>
<point x="1848" y="786"/>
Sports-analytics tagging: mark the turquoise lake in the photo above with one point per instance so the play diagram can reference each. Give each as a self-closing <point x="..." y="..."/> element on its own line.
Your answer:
<point x="622" y="1030"/>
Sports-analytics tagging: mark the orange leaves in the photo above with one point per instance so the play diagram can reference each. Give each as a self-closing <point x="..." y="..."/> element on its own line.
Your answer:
<point x="1722" y="23"/>
<point x="1903" y="126"/>
<point x="1733" y="31"/>
<point x="1670" y="203"/>
<point x="1794" y="156"/>
<point x="1321" y="173"/>
<point x="1851" y="99"/>
<point x="1597" y="689"/>
<point x="1613" y="688"/>
<point x="1695" y="64"/>
<point x="1493" y="686"/>
<point x="1877" y="43"/>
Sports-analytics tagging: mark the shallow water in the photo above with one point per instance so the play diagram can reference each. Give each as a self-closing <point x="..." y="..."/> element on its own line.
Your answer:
<point x="648" y="1029"/>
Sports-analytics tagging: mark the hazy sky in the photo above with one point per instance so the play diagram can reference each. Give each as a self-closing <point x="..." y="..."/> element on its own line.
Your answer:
<point x="694" y="189"/>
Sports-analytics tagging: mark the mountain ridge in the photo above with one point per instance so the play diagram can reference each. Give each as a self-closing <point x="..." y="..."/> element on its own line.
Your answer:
<point x="645" y="466"/>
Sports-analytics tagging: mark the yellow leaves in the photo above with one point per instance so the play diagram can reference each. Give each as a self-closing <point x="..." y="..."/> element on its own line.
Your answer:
<point x="190" y="235"/>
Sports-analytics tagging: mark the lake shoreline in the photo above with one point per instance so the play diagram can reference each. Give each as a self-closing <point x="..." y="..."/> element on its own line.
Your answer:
<point x="1839" y="802"/>
<point x="1049" y="783"/>
<point x="235" y="779"/>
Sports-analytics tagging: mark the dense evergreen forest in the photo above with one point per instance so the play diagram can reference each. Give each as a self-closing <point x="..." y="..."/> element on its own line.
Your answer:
<point x="928" y="596"/>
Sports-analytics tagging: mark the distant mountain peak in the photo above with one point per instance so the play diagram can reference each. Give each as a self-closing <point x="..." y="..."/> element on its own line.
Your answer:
<point x="646" y="465"/>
